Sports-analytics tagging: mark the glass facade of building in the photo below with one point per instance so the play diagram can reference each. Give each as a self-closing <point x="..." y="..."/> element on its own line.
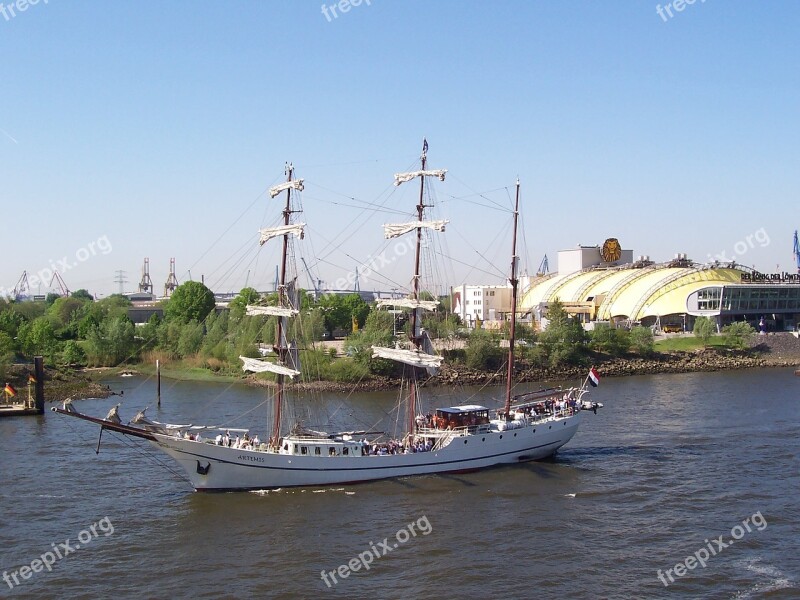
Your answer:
<point x="766" y="299"/>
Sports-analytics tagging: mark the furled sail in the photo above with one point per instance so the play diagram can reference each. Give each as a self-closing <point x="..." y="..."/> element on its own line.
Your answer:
<point x="408" y="303"/>
<point x="273" y="311"/>
<point x="403" y="177"/>
<point x="427" y="347"/>
<point x="259" y="366"/>
<point x="295" y="184"/>
<point x="393" y="230"/>
<point x="415" y="358"/>
<point x="296" y="229"/>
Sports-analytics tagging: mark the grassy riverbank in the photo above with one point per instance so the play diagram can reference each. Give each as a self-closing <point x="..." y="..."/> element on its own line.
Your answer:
<point x="675" y="355"/>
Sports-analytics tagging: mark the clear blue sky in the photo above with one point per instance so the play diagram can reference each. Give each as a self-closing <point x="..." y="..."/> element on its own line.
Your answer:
<point x="156" y="125"/>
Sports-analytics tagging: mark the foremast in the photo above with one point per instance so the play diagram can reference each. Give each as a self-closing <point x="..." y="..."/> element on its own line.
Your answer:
<point x="284" y="308"/>
<point x="416" y="357"/>
<point x="513" y="325"/>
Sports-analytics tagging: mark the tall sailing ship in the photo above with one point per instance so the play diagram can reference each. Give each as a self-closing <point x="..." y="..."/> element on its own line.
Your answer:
<point x="460" y="438"/>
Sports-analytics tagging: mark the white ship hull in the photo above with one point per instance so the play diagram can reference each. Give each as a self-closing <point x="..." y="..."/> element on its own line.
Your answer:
<point x="216" y="468"/>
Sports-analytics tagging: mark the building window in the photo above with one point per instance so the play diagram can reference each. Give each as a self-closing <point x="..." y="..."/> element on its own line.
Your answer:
<point x="708" y="298"/>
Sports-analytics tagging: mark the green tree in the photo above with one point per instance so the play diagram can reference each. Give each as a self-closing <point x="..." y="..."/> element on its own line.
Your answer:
<point x="50" y="298"/>
<point x="191" y="338"/>
<point x="564" y="340"/>
<point x="72" y="354"/>
<point x="217" y="330"/>
<point x="29" y="310"/>
<point x="82" y="295"/>
<point x="704" y="328"/>
<point x="64" y="313"/>
<point x="377" y="331"/>
<point x="111" y="343"/>
<point x="93" y="314"/>
<point x="238" y="305"/>
<point x="149" y="332"/>
<point x="10" y="321"/>
<point x="191" y="301"/>
<point x="169" y="333"/>
<point x="483" y="351"/>
<point x="611" y="340"/>
<point x="738" y="334"/>
<point x="341" y="309"/>
<point x="441" y="325"/>
<point x="310" y="327"/>
<point x="7" y="348"/>
<point x="642" y="340"/>
<point x="38" y="337"/>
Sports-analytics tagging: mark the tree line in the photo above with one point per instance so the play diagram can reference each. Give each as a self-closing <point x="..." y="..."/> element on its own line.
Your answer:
<point x="78" y="331"/>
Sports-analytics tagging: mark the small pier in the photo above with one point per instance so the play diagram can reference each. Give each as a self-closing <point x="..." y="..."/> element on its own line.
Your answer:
<point x="10" y="403"/>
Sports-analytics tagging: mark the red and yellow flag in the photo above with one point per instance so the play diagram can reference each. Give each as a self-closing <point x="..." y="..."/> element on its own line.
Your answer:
<point x="9" y="389"/>
<point x="31" y="378"/>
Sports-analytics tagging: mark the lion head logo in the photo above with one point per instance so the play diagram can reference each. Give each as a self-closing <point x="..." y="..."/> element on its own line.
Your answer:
<point x="611" y="250"/>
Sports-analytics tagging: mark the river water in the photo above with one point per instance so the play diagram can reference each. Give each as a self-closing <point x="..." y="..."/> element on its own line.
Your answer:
<point x="670" y="464"/>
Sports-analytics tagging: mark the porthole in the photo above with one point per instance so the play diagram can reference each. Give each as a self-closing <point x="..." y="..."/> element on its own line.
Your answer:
<point x="515" y="435"/>
<point x="501" y="436"/>
<point x="465" y="441"/>
<point x="483" y="439"/>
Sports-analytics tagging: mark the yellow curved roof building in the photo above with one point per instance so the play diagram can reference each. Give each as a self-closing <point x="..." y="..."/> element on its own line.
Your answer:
<point x="633" y="293"/>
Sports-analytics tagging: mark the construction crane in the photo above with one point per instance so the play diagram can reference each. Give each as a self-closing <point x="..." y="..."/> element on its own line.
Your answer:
<point x="544" y="267"/>
<point x="796" y="251"/>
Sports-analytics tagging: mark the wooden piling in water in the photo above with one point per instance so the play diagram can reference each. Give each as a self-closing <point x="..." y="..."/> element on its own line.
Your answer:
<point x="38" y="370"/>
<point x="158" y="382"/>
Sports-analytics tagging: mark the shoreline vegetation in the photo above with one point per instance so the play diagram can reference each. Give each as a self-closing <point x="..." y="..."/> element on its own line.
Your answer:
<point x="86" y="342"/>
<point x="770" y="351"/>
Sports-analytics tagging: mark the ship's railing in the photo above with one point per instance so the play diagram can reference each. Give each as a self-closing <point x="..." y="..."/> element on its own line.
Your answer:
<point x="455" y="431"/>
<point x="448" y="437"/>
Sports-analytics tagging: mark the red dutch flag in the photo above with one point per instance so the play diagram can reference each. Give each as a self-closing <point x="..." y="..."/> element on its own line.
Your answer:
<point x="594" y="377"/>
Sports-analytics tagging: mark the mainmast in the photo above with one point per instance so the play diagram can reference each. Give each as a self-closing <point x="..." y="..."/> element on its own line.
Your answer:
<point x="512" y="331"/>
<point x="284" y="309"/>
<point x="416" y="357"/>
<point x="416" y="317"/>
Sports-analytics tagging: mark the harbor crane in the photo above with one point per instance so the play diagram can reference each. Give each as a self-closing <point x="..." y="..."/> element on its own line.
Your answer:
<point x="62" y="286"/>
